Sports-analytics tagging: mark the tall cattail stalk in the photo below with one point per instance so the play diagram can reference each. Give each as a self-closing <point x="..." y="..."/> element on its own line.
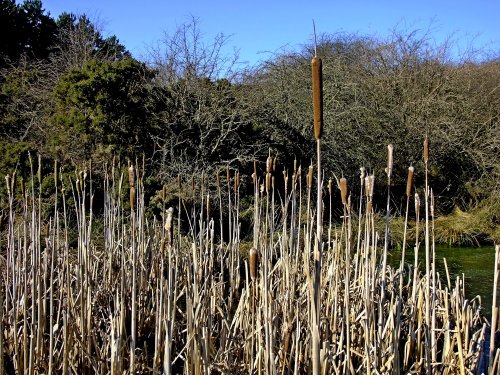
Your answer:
<point x="317" y="90"/>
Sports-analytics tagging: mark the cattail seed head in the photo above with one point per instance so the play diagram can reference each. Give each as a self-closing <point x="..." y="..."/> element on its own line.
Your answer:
<point x="131" y="176"/>
<point x="168" y="224"/>
<point x="131" y="181"/>
<point x="236" y="181"/>
<point x="169" y="219"/>
<point x="7" y="182"/>
<point x="362" y="174"/>
<point x="417" y="202"/>
<point x="409" y="182"/>
<point x="13" y="182"/>
<point x="269" y="164"/>
<point x="343" y="190"/>
<point x="372" y="184"/>
<point x="369" y="185"/>
<point x="390" y="160"/>
<point x="330" y="186"/>
<point x="56" y="175"/>
<point x="426" y="150"/>
<point x="310" y="176"/>
<point x="253" y="258"/>
<point x="317" y="89"/>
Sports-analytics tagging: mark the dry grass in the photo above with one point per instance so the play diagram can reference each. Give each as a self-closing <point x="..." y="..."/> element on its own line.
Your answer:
<point x="156" y="299"/>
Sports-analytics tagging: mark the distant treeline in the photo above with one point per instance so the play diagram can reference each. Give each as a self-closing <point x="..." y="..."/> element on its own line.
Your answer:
<point x="69" y="93"/>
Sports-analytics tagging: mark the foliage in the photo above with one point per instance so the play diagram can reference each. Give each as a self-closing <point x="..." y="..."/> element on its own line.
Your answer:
<point x="100" y="111"/>
<point x="70" y="92"/>
<point x="26" y="29"/>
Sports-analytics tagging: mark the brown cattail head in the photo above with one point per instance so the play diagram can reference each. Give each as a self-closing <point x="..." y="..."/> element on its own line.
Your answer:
<point x="390" y="160"/>
<point x="269" y="164"/>
<point x="131" y="181"/>
<point x="236" y="181"/>
<point x="228" y="174"/>
<point x="330" y="186"/>
<point x="254" y="255"/>
<point x="131" y="176"/>
<point x="343" y="190"/>
<point x="310" y="176"/>
<point x="409" y="182"/>
<point x="317" y="89"/>
<point x="56" y="175"/>
<point x="426" y="150"/>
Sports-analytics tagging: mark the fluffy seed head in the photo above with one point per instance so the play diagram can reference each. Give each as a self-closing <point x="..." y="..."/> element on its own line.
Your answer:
<point x="390" y="160"/>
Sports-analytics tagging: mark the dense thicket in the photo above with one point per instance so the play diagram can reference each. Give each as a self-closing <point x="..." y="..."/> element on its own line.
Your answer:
<point x="70" y="93"/>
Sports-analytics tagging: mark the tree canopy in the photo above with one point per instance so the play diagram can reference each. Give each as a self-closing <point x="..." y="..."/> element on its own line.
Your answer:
<point x="71" y="93"/>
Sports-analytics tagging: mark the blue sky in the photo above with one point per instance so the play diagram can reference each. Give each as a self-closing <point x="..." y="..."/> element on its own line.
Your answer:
<point x="259" y="27"/>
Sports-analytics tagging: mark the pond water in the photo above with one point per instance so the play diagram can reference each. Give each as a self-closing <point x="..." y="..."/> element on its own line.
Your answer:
<point x="475" y="263"/>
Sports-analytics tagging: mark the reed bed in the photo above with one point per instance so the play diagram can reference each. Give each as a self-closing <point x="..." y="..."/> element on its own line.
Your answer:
<point x="177" y="295"/>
